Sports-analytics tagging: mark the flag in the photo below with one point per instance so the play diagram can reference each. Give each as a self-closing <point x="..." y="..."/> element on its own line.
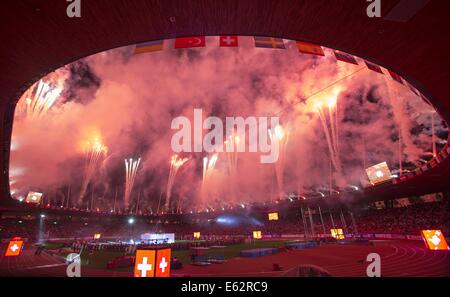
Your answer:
<point x="373" y="67"/>
<point x="269" y="42"/>
<point x="439" y="158"/>
<point x="163" y="263"/>
<point x="150" y="46"/>
<point x="14" y="247"/>
<point x="344" y="57"/>
<point x="185" y="42"/>
<point x="443" y="153"/>
<point x="396" y="77"/>
<point x="434" y="240"/>
<point x="228" y="41"/>
<point x="144" y="263"/>
<point x="433" y="163"/>
<point x="309" y="48"/>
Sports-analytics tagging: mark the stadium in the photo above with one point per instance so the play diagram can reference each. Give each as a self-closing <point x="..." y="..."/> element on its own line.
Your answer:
<point x="203" y="139"/>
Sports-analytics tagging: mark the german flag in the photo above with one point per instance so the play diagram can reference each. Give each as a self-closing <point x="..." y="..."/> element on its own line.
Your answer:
<point x="309" y="48"/>
<point x="150" y="46"/>
<point x="269" y="42"/>
<point x="344" y="57"/>
<point x="373" y="67"/>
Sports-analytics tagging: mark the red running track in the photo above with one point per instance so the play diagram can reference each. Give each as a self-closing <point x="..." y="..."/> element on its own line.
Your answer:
<point x="398" y="259"/>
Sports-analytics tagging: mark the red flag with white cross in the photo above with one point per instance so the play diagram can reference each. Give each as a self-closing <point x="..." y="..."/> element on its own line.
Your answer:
<point x="14" y="247"/>
<point x="229" y="41"/>
<point x="163" y="263"/>
<point x="144" y="265"/>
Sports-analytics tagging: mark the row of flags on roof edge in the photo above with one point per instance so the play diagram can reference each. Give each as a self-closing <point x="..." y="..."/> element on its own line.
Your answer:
<point x="264" y="42"/>
<point x="444" y="153"/>
<point x="274" y="43"/>
<point x="304" y="48"/>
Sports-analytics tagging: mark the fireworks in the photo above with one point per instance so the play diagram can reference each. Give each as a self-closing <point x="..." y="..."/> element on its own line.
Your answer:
<point x="131" y="167"/>
<point x="232" y="159"/>
<point x="175" y="164"/>
<point x="280" y="136"/>
<point x="40" y="98"/>
<point x="208" y="167"/>
<point x="331" y="132"/>
<point x="95" y="150"/>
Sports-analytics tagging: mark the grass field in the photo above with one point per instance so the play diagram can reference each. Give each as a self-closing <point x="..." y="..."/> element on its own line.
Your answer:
<point x="99" y="259"/>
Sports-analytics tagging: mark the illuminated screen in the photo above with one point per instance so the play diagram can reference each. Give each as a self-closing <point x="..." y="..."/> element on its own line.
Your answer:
<point x="14" y="248"/>
<point x="378" y="173"/>
<point x="163" y="263"/>
<point x="33" y="197"/>
<point x="159" y="237"/>
<point x="273" y="216"/>
<point x="434" y="240"/>
<point x="197" y="235"/>
<point x="257" y="235"/>
<point x="144" y="265"/>
<point x="337" y="233"/>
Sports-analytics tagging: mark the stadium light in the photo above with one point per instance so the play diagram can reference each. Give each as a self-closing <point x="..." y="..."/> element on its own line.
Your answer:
<point x="130" y="221"/>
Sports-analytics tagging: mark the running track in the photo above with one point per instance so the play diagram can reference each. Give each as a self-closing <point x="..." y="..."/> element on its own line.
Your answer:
<point x="398" y="258"/>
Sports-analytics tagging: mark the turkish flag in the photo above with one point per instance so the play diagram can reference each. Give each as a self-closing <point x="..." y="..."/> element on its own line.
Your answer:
<point x="185" y="42"/>
<point x="163" y="263"/>
<point x="144" y="265"/>
<point x="14" y="248"/>
<point x="231" y="41"/>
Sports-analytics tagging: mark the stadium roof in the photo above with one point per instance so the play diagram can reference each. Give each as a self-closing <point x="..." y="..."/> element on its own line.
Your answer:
<point x="38" y="37"/>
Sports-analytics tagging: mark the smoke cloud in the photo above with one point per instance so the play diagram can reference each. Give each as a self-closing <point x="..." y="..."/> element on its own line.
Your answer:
<point x="129" y="101"/>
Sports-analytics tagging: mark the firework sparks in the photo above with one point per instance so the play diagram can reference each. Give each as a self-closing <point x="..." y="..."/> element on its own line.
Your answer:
<point x="331" y="132"/>
<point x="175" y="164"/>
<point x="208" y="167"/>
<point x="95" y="150"/>
<point x="232" y="160"/>
<point x="281" y="137"/>
<point x="39" y="99"/>
<point x="131" y="167"/>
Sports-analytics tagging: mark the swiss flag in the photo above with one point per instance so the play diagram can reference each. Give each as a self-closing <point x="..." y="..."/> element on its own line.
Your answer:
<point x="185" y="42"/>
<point x="163" y="263"/>
<point x="145" y="263"/>
<point x="14" y="248"/>
<point x="231" y="41"/>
